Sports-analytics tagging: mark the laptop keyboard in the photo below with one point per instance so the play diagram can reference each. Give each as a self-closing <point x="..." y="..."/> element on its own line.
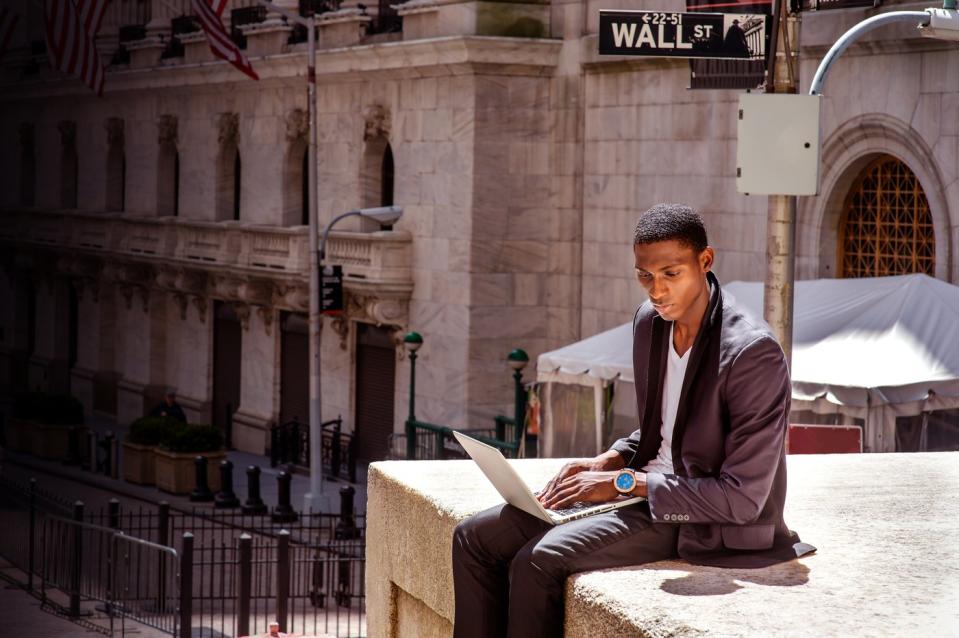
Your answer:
<point x="569" y="511"/>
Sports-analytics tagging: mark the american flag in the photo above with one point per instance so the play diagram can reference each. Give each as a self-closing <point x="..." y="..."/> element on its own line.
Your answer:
<point x="8" y="22"/>
<point x="71" y="30"/>
<point x="221" y="44"/>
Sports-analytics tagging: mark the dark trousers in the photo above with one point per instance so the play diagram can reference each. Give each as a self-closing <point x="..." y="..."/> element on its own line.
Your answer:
<point x="510" y="568"/>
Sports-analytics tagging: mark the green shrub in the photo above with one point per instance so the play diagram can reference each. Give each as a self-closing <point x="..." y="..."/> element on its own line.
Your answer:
<point x="151" y="430"/>
<point x="49" y="409"/>
<point x="192" y="439"/>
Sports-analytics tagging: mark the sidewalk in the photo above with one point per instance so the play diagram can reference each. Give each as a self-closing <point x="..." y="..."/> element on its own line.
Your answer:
<point x="76" y="484"/>
<point x="22" y="615"/>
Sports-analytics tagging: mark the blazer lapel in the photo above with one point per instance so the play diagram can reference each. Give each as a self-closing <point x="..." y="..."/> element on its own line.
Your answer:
<point x="713" y="318"/>
<point x="651" y="424"/>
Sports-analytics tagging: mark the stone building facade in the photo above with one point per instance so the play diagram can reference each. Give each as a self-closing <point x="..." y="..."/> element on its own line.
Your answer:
<point x="154" y="237"/>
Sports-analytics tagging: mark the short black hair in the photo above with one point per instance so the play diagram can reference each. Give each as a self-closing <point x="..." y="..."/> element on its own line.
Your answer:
<point x="664" y="222"/>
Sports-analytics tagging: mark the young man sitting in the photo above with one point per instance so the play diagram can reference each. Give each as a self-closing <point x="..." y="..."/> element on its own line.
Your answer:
<point x="713" y="392"/>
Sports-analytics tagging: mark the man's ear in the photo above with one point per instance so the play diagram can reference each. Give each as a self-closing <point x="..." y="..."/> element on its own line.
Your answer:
<point x="706" y="258"/>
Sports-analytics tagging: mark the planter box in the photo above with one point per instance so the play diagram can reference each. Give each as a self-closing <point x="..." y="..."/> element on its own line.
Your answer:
<point x="139" y="463"/>
<point x="176" y="473"/>
<point x="51" y="442"/>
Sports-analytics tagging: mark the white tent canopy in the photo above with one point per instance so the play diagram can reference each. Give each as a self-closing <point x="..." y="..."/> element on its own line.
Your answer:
<point x="871" y="348"/>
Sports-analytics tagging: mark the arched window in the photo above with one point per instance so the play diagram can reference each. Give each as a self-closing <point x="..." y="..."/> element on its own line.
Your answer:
<point x="237" y="172"/>
<point x="886" y="226"/>
<point x="228" y="173"/>
<point x="377" y="179"/>
<point x="168" y="180"/>
<point x="305" y="188"/>
<point x="386" y="179"/>
<point x="116" y="166"/>
<point x="28" y="166"/>
<point x="69" y="165"/>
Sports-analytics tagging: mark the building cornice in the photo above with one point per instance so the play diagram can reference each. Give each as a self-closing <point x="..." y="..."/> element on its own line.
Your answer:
<point x="389" y="60"/>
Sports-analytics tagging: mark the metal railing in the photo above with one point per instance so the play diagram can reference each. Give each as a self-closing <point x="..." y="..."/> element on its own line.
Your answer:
<point x="69" y="563"/>
<point x="424" y="441"/>
<point x="290" y="444"/>
<point x="188" y="573"/>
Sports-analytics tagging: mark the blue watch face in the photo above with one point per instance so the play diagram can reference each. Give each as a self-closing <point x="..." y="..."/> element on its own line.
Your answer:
<point x="625" y="481"/>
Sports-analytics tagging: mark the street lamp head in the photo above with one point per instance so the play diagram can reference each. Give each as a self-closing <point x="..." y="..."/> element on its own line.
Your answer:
<point x="517" y="359"/>
<point x="412" y="341"/>
<point x="383" y="215"/>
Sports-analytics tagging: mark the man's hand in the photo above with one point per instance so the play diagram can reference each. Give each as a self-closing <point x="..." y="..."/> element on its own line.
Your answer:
<point x="605" y="462"/>
<point x="583" y="487"/>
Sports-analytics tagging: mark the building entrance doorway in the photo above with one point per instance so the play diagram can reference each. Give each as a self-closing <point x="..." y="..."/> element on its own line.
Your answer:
<point x="294" y="368"/>
<point x="375" y="387"/>
<point x="227" y="354"/>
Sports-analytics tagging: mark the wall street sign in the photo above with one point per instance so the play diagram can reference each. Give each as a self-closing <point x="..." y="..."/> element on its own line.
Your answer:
<point x="683" y="35"/>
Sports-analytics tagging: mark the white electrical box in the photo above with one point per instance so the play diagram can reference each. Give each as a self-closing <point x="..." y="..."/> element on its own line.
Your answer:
<point x="778" y="144"/>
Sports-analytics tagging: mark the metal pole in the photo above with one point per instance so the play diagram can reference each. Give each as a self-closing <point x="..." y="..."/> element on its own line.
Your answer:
<point x="314" y="499"/>
<point x="186" y="587"/>
<point x="245" y="586"/>
<point x="283" y="578"/>
<point x="781" y="210"/>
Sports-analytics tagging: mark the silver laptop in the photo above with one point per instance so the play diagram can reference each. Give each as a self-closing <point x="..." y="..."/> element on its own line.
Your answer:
<point x="515" y="492"/>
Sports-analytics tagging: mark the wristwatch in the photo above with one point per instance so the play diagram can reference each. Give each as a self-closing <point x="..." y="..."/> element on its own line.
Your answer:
<point x="625" y="482"/>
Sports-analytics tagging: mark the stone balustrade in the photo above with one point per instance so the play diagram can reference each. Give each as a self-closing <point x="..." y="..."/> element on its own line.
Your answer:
<point x="378" y="259"/>
<point x="884" y="525"/>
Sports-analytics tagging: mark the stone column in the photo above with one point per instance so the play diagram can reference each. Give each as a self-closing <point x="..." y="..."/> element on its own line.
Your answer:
<point x="259" y="379"/>
<point x="142" y="150"/>
<point x="141" y="336"/>
<point x="263" y="145"/>
<point x="188" y="354"/>
<point x="48" y="364"/>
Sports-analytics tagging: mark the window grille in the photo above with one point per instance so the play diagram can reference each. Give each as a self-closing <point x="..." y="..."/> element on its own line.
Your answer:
<point x="886" y="226"/>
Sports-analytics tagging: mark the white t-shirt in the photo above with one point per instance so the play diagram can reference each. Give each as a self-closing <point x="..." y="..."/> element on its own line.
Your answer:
<point x="672" y="387"/>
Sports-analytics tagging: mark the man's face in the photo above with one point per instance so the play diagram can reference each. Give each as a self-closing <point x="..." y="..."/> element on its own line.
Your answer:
<point x="674" y="277"/>
<point x="170" y="399"/>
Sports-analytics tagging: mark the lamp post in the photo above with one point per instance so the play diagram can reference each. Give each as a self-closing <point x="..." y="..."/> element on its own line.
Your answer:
<point x="314" y="499"/>
<point x="517" y="360"/>
<point x="412" y="342"/>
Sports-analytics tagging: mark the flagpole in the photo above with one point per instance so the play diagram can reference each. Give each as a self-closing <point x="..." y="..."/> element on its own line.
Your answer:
<point x="314" y="500"/>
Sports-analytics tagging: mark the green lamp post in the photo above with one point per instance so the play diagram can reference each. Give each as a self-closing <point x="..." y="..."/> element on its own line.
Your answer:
<point x="412" y="342"/>
<point x="517" y="360"/>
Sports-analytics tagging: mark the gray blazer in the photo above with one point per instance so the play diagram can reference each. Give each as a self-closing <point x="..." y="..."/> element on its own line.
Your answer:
<point x="729" y="486"/>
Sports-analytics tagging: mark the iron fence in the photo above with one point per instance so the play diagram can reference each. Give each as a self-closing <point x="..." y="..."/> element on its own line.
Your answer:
<point x="290" y="443"/>
<point x="189" y="573"/>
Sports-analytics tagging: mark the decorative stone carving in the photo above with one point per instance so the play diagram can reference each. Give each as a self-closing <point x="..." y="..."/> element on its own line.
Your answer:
<point x="378" y="123"/>
<point x="226" y="287"/>
<point x="166" y="129"/>
<point x="127" y="291"/>
<point x="68" y="133"/>
<point x="341" y="326"/>
<point x="200" y="304"/>
<point x="381" y="311"/>
<point x="114" y="126"/>
<point x="242" y="311"/>
<point x="255" y="291"/>
<point x="266" y="315"/>
<point x="228" y="129"/>
<point x="182" y="302"/>
<point x="291" y="296"/>
<point x="297" y="125"/>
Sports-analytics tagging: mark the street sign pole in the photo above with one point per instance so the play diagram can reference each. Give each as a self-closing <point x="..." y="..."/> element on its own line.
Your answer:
<point x="780" y="279"/>
<point x="314" y="500"/>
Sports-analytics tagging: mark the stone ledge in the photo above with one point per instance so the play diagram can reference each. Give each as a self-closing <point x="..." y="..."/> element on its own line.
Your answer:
<point x="885" y="526"/>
